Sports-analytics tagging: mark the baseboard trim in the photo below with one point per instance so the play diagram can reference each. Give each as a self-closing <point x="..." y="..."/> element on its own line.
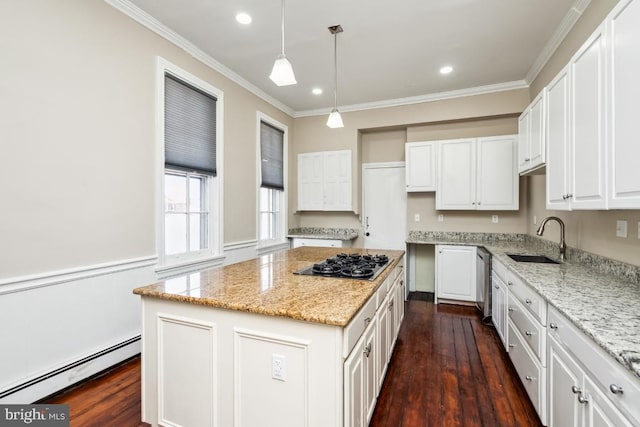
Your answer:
<point x="70" y="374"/>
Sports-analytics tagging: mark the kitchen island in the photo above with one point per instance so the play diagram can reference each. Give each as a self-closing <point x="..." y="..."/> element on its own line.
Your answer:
<point x="253" y="344"/>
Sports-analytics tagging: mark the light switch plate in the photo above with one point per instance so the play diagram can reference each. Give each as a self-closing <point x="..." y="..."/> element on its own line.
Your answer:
<point x="621" y="228"/>
<point x="440" y="218"/>
<point x="494" y="219"/>
<point x="416" y="217"/>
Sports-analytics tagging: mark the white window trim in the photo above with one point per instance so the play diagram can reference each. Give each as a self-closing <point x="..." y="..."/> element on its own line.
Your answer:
<point x="214" y="254"/>
<point x="283" y="243"/>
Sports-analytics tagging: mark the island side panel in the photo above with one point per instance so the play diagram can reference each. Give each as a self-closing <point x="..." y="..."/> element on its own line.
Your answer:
<point x="214" y="367"/>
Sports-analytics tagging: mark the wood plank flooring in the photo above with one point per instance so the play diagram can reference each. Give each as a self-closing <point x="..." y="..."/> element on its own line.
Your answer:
<point x="447" y="370"/>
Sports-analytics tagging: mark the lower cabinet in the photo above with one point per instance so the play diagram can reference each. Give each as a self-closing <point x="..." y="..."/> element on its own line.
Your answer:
<point x="456" y="272"/>
<point x="296" y="242"/>
<point x="499" y="298"/>
<point x="366" y="366"/>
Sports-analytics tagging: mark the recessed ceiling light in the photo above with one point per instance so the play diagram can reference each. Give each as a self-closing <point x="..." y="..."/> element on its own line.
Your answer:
<point x="446" y="69"/>
<point x="243" y="18"/>
<point x="316" y="91"/>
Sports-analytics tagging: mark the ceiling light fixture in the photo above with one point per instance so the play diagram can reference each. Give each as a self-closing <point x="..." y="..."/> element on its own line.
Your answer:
<point x="446" y="69"/>
<point x="282" y="72"/>
<point x="243" y="18"/>
<point x="335" y="119"/>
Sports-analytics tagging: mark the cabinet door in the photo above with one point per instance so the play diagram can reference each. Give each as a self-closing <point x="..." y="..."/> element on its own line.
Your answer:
<point x="536" y="133"/>
<point x="383" y="341"/>
<point x="370" y="382"/>
<point x="558" y="142"/>
<point x="354" y="387"/>
<point x="456" y="272"/>
<point x="456" y="174"/>
<point x="499" y="308"/>
<point x="392" y="320"/>
<point x="420" y="160"/>
<point x="337" y="180"/>
<point x="399" y="305"/>
<point x="523" y="141"/>
<point x="310" y="185"/>
<point x="497" y="182"/>
<point x="588" y="130"/>
<point x="564" y="374"/>
<point x="624" y="92"/>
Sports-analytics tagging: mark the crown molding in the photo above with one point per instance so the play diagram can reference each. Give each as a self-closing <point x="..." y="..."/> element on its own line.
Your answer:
<point x="478" y="90"/>
<point x="569" y="20"/>
<point x="143" y="18"/>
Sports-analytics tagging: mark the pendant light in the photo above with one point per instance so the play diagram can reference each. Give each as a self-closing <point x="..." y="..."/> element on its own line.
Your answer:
<point x="282" y="72"/>
<point x="335" y="119"/>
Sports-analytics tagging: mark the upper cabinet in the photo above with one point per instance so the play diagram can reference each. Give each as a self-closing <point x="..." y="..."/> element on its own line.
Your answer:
<point x="420" y="166"/>
<point x="624" y="93"/>
<point x="324" y="181"/>
<point x="531" y="136"/>
<point x="477" y="174"/>
<point x="575" y="126"/>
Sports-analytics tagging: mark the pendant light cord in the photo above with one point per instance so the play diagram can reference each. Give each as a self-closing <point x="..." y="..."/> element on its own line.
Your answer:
<point x="335" y="71"/>
<point x="282" y="25"/>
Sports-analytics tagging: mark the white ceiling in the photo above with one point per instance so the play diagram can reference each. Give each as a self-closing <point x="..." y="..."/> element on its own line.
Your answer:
<point x="388" y="50"/>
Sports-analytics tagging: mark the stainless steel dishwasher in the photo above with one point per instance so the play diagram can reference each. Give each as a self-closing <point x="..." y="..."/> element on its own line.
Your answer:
<point x="483" y="284"/>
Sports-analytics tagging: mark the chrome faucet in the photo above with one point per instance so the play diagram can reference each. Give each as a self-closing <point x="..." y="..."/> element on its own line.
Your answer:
<point x="563" y="246"/>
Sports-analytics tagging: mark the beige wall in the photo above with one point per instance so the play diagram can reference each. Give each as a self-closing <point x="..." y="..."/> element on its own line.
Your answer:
<point x="78" y="148"/>
<point x="592" y="231"/>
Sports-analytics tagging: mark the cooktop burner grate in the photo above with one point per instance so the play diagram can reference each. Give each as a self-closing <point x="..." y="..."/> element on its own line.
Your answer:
<point x="351" y="266"/>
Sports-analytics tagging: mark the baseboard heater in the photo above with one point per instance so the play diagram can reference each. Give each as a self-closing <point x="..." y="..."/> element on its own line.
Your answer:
<point x="68" y="375"/>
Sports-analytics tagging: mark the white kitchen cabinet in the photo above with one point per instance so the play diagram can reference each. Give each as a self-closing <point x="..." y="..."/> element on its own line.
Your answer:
<point x="531" y="136"/>
<point x="370" y="382"/>
<point x="455" y="273"/>
<point x="477" y="174"/>
<point x="624" y="92"/>
<point x="297" y="242"/>
<point x="420" y="161"/>
<point x="361" y="387"/>
<point x="499" y="299"/>
<point x="558" y="116"/>
<point x="383" y="355"/>
<point x="324" y="181"/>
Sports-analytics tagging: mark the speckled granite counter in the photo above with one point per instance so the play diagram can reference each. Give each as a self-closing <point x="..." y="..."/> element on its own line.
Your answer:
<point x="602" y="299"/>
<point x="323" y="233"/>
<point x="267" y="285"/>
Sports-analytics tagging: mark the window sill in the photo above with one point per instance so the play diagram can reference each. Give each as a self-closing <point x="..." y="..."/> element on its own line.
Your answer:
<point x="187" y="266"/>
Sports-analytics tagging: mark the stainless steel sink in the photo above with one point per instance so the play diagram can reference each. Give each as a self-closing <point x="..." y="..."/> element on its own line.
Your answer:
<point x="541" y="259"/>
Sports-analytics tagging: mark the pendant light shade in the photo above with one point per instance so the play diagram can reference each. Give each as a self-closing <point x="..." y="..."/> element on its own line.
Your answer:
<point x="335" y="119"/>
<point x="282" y="71"/>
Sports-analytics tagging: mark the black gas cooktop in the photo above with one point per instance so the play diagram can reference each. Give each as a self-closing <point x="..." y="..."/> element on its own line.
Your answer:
<point x="348" y="266"/>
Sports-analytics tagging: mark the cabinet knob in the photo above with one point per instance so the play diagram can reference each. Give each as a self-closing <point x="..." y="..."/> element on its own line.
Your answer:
<point x="575" y="389"/>
<point x="569" y="196"/>
<point x="616" y="389"/>
<point x="583" y="399"/>
<point x="511" y="309"/>
<point x="367" y="320"/>
<point x="367" y="350"/>
<point x="528" y="301"/>
<point x="478" y="203"/>
<point x="497" y="287"/>
<point x="511" y="345"/>
<point x="529" y="378"/>
<point x="473" y="203"/>
<point x="553" y="325"/>
<point x="527" y="159"/>
<point x="510" y="283"/>
<point x="528" y="333"/>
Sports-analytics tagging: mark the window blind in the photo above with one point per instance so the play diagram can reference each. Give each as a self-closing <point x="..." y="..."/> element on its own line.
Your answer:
<point x="189" y="128"/>
<point x="271" y="155"/>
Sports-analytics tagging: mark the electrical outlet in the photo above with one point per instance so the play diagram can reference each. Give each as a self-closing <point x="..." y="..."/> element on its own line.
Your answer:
<point x="494" y="219"/>
<point x="621" y="228"/>
<point x="535" y="220"/>
<point x="278" y="367"/>
<point x="416" y="217"/>
<point x="440" y="218"/>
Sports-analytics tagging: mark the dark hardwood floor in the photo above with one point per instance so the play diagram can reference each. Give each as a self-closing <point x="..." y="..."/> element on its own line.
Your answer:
<point x="448" y="369"/>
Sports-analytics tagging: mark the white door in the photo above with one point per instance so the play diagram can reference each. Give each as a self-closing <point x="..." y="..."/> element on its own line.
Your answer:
<point x="384" y="206"/>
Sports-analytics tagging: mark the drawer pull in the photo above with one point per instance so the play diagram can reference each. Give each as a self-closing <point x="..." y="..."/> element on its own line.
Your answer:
<point x="553" y="325"/>
<point x="510" y="283"/>
<point x="616" y="389"/>
<point x="367" y="350"/>
<point x="529" y="378"/>
<point x="528" y="301"/>
<point x="528" y="333"/>
<point x="497" y="287"/>
<point x="583" y="399"/>
<point x="576" y="390"/>
<point x="511" y="309"/>
<point x="511" y="345"/>
<point x="367" y="320"/>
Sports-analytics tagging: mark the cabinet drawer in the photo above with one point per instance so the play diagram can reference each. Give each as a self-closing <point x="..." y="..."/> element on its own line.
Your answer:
<point x="528" y="297"/>
<point x="605" y="370"/>
<point x="329" y="243"/>
<point x="354" y="330"/>
<point x="531" y="373"/>
<point x="533" y="333"/>
<point x="499" y="269"/>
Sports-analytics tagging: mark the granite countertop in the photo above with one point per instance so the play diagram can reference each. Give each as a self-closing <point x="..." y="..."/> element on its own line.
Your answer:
<point x="323" y="233"/>
<point x="603" y="305"/>
<point x="267" y="285"/>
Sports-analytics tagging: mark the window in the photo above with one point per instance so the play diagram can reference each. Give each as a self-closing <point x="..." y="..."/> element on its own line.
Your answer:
<point x="190" y="222"/>
<point x="271" y="194"/>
